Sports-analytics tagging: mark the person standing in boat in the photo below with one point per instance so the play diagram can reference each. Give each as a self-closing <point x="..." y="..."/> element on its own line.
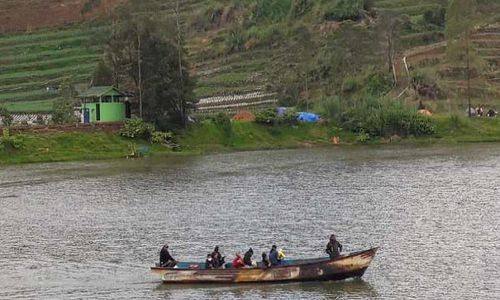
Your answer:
<point x="274" y="257"/>
<point x="247" y="259"/>
<point x="217" y="257"/>
<point x="333" y="248"/>
<point x="166" y="260"/>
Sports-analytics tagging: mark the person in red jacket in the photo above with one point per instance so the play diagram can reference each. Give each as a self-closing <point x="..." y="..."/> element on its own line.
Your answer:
<point x="238" y="261"/>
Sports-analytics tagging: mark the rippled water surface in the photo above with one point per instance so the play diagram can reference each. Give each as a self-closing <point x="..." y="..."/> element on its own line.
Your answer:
<point x="92" y="230"/>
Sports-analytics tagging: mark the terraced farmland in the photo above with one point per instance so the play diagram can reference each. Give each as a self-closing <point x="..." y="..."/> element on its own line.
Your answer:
<point x="415" y="35"/>
<point x="33" y="65"/>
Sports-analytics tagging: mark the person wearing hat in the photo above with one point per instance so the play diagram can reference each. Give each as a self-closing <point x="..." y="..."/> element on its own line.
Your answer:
<point x="166" y="260"/>
<point x="333" y="248"/>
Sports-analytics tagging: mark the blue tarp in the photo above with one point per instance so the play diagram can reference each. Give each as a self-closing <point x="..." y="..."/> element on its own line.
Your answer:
<point x="308" y="117"/>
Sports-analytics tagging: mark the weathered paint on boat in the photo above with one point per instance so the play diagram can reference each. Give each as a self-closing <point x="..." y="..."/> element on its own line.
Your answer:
<point x="342" y="267"/>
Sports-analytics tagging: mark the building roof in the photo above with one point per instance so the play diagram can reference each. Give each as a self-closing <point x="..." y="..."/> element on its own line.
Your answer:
<point x="101" y="91"/>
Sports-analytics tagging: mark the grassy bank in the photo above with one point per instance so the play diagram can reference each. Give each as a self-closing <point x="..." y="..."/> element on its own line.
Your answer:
<point x="209" y="137"/>
<point x="71" y="147"/>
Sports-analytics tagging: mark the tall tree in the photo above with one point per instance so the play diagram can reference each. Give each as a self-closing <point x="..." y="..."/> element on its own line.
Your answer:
<point x="103" y="75"/>
<point x="461" y="19"/>
<point x="150" y="59"/>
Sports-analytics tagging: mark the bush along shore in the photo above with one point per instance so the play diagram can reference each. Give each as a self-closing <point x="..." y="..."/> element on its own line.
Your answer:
<point x="221" y="134"/>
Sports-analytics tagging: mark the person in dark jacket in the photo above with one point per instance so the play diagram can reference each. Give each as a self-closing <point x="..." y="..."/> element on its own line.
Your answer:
<point x="247" y="259"/>
<point x="166" y="260"/>
<point x="265" y="261"/>
<point x="273" y="256"/>
<point x="333" y="248"/>
<point x="217" y="257"/>
<point x="210" y="262"/>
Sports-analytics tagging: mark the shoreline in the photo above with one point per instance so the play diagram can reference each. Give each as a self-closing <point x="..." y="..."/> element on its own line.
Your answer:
<point x="208" y="138"/>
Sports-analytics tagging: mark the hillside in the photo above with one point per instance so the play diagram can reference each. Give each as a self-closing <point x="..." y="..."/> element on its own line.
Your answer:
<point x="235" y="65"/>
<point x="24" y="15"/>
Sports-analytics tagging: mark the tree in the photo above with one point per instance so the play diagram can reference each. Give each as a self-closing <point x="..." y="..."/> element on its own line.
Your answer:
<point x="7" y="118"/>
<point x="63" y="110"/>
<point x="389" y="30"/>
<point x="166" y="93"/>
<point x="152" y="62"/>
<point x="460" y="23"/>
<point x="103" y="75"/>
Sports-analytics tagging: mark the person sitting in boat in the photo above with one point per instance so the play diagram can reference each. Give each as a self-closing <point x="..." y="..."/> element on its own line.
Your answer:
<point x="218" y="258"/>
<point x="333" y="248"/>
<point x="247" y="259"/>
<point x="210" y="262"/>
<point x="265" y="261"/>
<point x="166" y="260"/>
<point x="274" y="257"/>
<point x="238" y="261"/>
<point x="281" y="254"/>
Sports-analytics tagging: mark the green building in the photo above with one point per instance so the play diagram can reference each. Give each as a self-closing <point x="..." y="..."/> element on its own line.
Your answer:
<point x="103" y="104"/>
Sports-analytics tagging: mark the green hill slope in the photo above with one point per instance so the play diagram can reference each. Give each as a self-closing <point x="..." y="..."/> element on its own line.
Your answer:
<point x="238" y="53"/>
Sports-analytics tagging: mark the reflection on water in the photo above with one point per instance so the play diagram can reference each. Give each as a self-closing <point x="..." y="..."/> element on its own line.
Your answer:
<point x="91" y="230"/>
<point x="350" y="289"/>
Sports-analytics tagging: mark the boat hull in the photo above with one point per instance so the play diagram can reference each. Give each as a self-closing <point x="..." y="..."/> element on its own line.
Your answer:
<point x="343" y="267"/>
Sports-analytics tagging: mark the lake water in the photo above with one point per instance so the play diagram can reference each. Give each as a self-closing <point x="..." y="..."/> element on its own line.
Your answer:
<point x="92" y="230"/>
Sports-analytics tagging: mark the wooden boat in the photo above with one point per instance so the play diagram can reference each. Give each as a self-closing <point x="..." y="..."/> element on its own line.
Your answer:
<point x="317" y="269"/>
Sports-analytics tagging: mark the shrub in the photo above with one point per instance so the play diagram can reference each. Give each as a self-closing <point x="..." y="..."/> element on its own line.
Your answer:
<point x="342" y="10"/>
<point x="266" y="117"/>
<point x="161" y="137"/>
<point x="63" y="112"/>
<point x="7" y="118"/>
<point x="137" y="128"/>
<point x="11" y="143"/>
<point x="378" y="117"/>
<point x="435" y="16"/>
<point x="235" y="41"/>
<point x="301" y="7"/>
<point x="270" y="10"/>
<point x="270" y="117"/>
<point x="266" y="36"/>
<point x="362" y="137"/>
<point x="378" y="84"/>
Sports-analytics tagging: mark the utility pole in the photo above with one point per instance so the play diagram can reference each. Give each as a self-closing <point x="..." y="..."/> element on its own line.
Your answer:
<point x="182" y="101"/>
<point x="139" y="70"/>
<point x="307" y="93"/>
<point x="467" y="61"/>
